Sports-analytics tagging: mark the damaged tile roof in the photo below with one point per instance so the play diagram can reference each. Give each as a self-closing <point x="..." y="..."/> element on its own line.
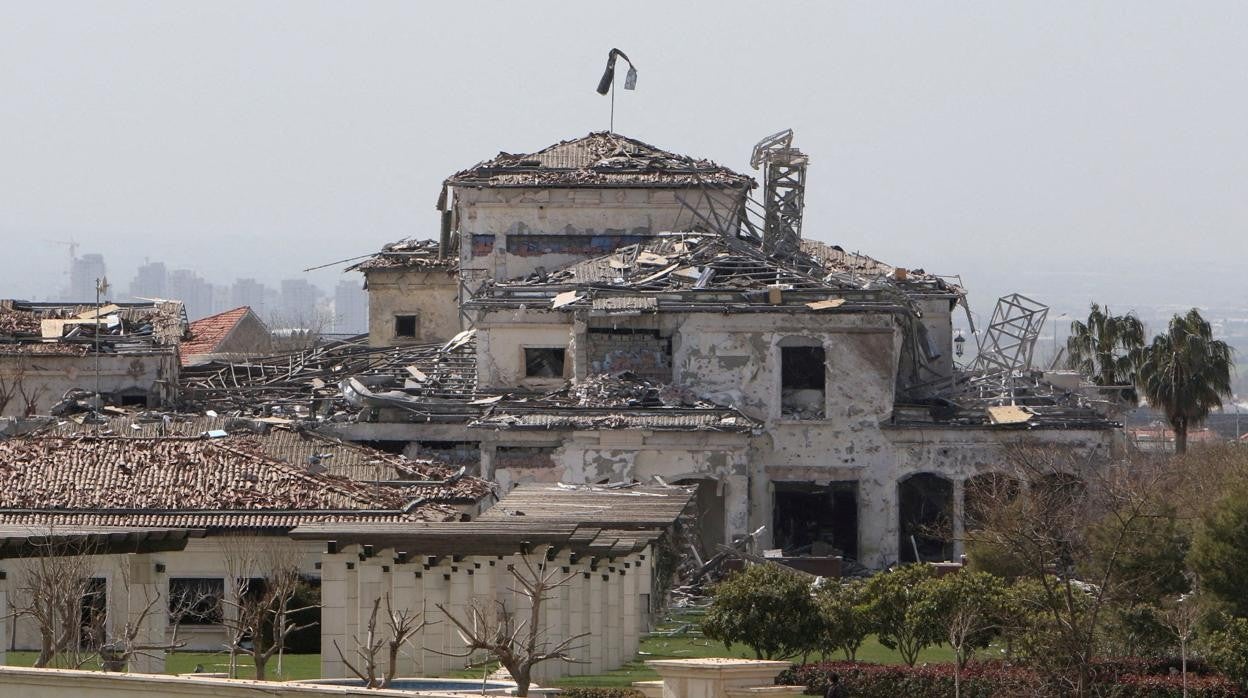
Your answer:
<point x="70" y="329"/>
<point x="613" y="402"/>
<point x="187" y="481"/>
<point x="206" y="334"/>
<point x="409" y="253"/>
<point x="705" y="267"/>
<point x="290" y="442"/>
<point x="601" y="159"/>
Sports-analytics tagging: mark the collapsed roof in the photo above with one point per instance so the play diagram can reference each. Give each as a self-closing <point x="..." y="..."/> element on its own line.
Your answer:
<point x="409" y="253"/>
<point x="600" y="159"/>
<point x="72" y="329"/>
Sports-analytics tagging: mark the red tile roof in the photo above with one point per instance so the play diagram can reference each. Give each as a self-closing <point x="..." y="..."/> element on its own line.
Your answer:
<point x="208" y="333"/>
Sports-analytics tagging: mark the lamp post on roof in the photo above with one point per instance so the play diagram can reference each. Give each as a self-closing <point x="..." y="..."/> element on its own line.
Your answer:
<point x="101" y="288"/>
<point x="607" y="83"/>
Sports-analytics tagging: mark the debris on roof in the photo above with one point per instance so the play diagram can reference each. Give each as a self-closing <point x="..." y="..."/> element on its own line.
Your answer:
<point x="409" y="253"/>
<point x="598" y="159"/>
<point x="73" y="329"/>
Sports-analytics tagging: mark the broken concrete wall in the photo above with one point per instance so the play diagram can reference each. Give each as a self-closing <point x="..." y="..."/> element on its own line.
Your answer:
<point x="938" y="321"/>
<point x="879" y="457"/>
<point x="736" y="360"/>
<point x="507" y="233"/>
<point x="35" y="382"/>
<point x="502" y="340"/>
<point x="621" y="456"/>
<point x="431" y="297"/>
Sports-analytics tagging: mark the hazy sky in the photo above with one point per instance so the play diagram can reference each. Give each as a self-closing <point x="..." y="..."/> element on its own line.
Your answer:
<point x="1054" y="148"/>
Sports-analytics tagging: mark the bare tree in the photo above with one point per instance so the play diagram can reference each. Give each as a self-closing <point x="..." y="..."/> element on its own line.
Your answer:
<point x="1071" y="525"/>
<point x="1182" y="618"/>
<point x="400" y="627"/>
<point x="50" y="591"/>
<point x="262" y="579"/>
<point x="13" y="385"/>
<point x="517" y="644"/>
<point x="122" y="646"/>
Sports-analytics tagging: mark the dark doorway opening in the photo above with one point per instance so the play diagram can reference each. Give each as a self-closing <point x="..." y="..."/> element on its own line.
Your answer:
<point x="813" y="519"/>
<point x="925" y="509"/>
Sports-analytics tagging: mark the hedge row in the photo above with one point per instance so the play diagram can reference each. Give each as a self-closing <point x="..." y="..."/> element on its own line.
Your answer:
<point x="1119" y="678"/>
<point x="600" y="693"/>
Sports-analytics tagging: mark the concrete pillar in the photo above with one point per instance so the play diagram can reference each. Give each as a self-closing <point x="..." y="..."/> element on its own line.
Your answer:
<point x="483" y="571"/>
<point x="405" y="595"/>
<point x="147" y="609"/>
<point x="737" y="508"/>
<point x="597" y="607"/>
<point x="614" y="628"/>
<point x="436" y="579"/>
<point x="761" y="500"/>
<point x="334" y="613"/>
<point x="577" y="620"/>
<point x="368" y="585"/>
<point x="959" y="515"/>
<point x="5" y="632"/>
<point x="631" y="634"/>
<point x="645" y="578"/>
<point x="878" y="522"/>
<point x="460" y="595"/>
<point x="554" y="619"/>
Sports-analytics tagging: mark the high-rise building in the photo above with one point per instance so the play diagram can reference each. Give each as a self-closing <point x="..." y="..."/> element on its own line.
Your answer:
<point x="82" y="275"/>
<point x="298" y="304"/>
<point x="350" y="308"/>
<point x="252" y="294"/>
<point x="150" y="281"/>
<point x="188" y="287"/>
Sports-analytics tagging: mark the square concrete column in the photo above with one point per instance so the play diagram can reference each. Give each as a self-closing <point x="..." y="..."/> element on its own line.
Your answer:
<point x="736" y="498"/>
<point x="460" y="595"/>
<point x="334" y="612"/>
<point x="437" y="591"/>
<point x="577" y="618"/>
<point x="5" y="633"/>
<point x="597" y="608"/>
<point x="554" y="619"/>
<point x="645" y="578"/>
<point x="483" y="571"/>
<point x="629" y="613"/>
<point x="368" y="585"/>
<point x="147" y="610"/>
<point x="406" y="596"/>
<point x="614" y="625"/>
<point x="959" y="516"/>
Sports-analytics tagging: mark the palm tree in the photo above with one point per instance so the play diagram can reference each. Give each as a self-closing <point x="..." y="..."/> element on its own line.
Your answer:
<point x="1107" y="349"/>
<point x="1186" y="373"/>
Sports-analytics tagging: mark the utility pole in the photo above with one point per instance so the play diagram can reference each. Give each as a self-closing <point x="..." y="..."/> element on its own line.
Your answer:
<point x="101" y="288"/>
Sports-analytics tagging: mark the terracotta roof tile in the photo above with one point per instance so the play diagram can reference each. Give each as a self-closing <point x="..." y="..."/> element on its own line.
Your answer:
<point x="595" y="160"/>
<point x="206" y="334"/>
<point x="188" y="481"/>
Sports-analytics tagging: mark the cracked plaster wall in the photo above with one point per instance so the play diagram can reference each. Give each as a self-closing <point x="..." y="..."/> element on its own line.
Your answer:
<point x="45" y="378"/>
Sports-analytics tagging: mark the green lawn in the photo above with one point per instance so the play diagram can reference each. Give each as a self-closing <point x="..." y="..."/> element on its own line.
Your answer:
<point x="677" y="638"/>
<point x="294" y="666"/>
<point x="691" y="644"/>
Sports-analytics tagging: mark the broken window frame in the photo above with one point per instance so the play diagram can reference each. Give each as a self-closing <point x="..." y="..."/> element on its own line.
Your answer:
<point x="814" y="380"/>
<point x="402" y="318"/>
<point x="556" y="374"/>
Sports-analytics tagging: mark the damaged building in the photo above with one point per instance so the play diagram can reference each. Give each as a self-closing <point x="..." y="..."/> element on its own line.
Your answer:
<point x="634" y="314"/>
<point x="55" y="354"/>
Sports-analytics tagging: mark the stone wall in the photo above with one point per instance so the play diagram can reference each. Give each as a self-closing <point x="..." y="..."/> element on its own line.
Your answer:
<point x="431" y="296"/>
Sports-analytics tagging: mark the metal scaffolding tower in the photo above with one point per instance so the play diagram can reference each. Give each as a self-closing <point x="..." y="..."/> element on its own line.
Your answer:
<point x="784" y="192"/>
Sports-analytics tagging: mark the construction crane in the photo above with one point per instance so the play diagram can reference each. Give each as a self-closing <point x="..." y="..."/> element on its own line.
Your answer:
<point x="784" y="192"/>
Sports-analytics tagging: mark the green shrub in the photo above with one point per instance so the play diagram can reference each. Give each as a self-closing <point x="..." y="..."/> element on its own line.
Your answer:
<point x="899" y="613"/>
<point x="1219" y="554"/>
<point x="997" y="679"/>
<point x="600" y="693"/>
<point x="845" y="617"/>
<point x="767" y="608"/>
<point x="1228" y="650"/>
